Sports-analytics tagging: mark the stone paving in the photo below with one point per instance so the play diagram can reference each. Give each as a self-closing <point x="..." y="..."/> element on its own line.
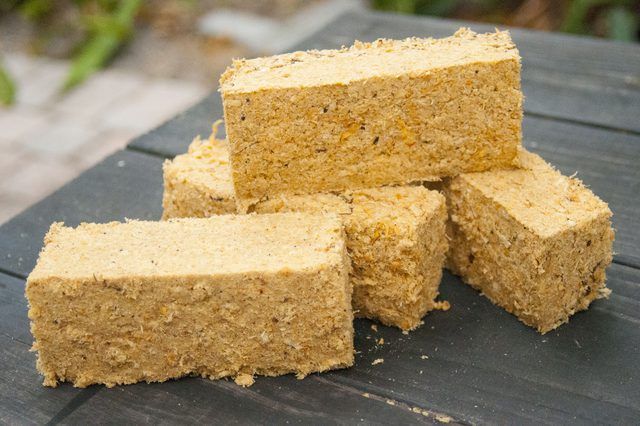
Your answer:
<point x="47" y="139"/>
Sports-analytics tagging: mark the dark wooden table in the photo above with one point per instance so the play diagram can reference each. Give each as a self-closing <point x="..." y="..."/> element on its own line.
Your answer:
<point x="474" y="363"/>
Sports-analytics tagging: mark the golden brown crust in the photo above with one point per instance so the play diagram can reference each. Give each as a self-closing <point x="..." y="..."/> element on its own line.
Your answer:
<point x="382" y="57"/>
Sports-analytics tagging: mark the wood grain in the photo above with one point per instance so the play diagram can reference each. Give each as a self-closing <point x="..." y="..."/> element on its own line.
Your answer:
<point x="481" y="365"/>
<point x="23" y="399"/>
<point x="279" y="400"/>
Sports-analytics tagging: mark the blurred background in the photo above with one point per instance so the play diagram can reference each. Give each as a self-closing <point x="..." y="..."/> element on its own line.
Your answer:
<point x="80" y="78"/>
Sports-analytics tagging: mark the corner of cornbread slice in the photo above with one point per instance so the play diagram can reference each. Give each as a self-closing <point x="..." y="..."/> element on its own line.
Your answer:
<point x="397" y="243"/>
<point x="533" y="241"/>
<point x="395" y="236"/>
<point x="198" y="183"/>
<point x="120" y="303"/>
<point x="374" y="114"/>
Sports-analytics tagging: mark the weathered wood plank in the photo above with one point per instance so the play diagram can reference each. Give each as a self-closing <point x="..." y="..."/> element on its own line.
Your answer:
<point x="125" y="185"/>
<point x="174" y="136"/>
<point x="280" y="400"/>
<point x="13" y="310"/>
<point x="23" y="399"/>
<point x="479" y="364"/>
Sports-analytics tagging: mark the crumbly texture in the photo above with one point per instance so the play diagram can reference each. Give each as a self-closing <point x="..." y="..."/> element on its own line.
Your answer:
<point x="235" y="296"/>
<point x="198" y="183"/>
<point x="374" y="114"/>
<point x="397" y="243"/>
<point x="395" y="235"/>
<point x="533" y="241"/>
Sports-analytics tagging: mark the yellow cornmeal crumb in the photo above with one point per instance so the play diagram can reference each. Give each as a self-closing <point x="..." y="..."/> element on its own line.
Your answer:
<point x="397" y="244"/>
<point x="228" y="296"/>
<point x="532" y="240"/>
<point x="198" y="183"/>
<point x="375" y="114"/>
<point x="244" y="380"/>
<point x="395" y="235"/>
<point x="378" y="361"/>
<point x="443" y="305"/>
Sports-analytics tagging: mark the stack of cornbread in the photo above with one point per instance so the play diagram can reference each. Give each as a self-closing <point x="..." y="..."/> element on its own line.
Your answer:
<point x="316" y="209"/>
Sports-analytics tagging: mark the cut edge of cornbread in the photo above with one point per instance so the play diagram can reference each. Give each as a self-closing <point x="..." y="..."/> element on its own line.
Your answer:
<point x="534" y="242"/>
<point x="198" y="183"/>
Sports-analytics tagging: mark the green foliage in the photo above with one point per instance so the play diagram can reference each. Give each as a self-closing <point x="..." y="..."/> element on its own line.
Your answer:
<point x="7" y="88"/>
<point x="622" y="24"/>
<point x="107" y="33"/>
<point x="422" y="7"/>
<point x="580" y="16"/>
<point x="575" y="18"/>
<point x="36" y="9"/>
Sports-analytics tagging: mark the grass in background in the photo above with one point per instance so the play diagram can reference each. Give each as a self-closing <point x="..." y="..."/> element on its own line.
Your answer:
<point x="99" y="27"/>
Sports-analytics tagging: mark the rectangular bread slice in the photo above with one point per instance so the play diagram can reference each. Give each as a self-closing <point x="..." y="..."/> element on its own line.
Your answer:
<point x="234" y="296"/>
<point x="533" y="241"/>
<point x="395" y="235"/>
<point x="381" y="113"/>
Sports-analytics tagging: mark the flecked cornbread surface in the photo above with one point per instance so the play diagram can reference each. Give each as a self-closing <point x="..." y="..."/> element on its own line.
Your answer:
<point x="395" y="236"/>
<point x="387" y="112"/>
<point x="533" y="241"/>
<point x="199" y="181"/>
<point x="231" y="296"/>
<point x="397" y="243"/>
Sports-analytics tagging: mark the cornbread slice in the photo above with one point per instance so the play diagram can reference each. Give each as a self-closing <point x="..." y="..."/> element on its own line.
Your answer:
<point x="198" y="183"/>
<point x="395" y="236"/>
<point x="374" y="114"/>
<point x="397" y="243"/>
<point x="235" y="296"/>
<point x="533" y="241"/>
